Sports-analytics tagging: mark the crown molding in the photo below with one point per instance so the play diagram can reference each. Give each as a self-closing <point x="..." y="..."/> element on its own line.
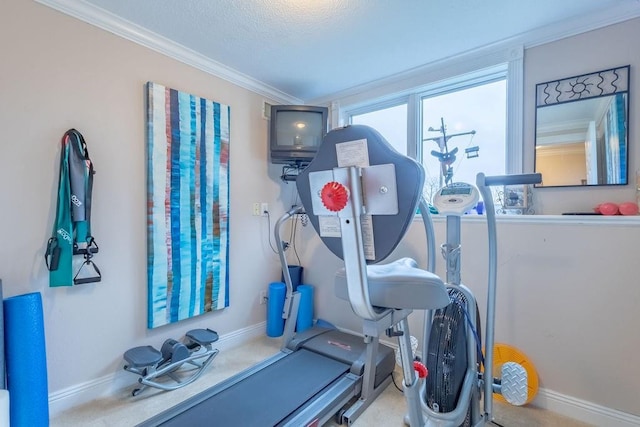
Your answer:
<point x="510" y="49"/>
<point x="114" y="24"/>
<point x="627" y="10"/>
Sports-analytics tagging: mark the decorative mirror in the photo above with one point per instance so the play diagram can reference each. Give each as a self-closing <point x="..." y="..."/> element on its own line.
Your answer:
<point x="582" y="129"/>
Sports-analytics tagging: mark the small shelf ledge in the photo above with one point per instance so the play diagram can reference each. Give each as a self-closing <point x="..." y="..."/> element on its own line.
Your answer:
<point x="596" y="220"/>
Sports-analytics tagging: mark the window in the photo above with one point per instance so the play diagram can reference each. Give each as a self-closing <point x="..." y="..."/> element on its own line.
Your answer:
<point x="473" y="122"/>
<point x="473" y="111"/>
<point x="390" y="122"/>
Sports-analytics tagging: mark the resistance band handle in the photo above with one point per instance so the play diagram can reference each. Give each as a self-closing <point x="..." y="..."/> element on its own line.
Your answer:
<point x="53" y="251"/>
<point x="85" y="280"/>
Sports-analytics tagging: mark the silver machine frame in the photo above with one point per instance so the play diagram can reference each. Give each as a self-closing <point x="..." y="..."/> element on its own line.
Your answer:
<point x="395" y="321"/>
<point x="474" y="384"/>
<point x="373" y="328"/>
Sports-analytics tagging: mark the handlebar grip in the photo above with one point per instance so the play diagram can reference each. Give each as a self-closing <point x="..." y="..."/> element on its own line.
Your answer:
<point x="86" y="280"/>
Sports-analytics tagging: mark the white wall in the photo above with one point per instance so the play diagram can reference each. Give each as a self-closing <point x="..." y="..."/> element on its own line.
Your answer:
<point x="601" y="49"/>
<point x="58" y="73"/>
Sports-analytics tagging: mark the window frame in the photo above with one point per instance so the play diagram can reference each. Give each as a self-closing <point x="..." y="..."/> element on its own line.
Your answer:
<point x="508" y="65"/>
<point x="389" y="103"/>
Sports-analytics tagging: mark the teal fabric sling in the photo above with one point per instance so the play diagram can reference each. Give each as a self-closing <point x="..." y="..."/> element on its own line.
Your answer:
<point x="72" y="227"/>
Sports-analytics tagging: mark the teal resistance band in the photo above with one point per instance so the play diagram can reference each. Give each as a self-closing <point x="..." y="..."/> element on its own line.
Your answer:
<point x="72" y="228"/>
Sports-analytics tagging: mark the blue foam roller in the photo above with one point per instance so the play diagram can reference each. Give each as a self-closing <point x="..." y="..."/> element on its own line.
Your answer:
<point x="275" y="304"/>
<point x="3" y="380"/>
<point x="295" y="272"/>
<point x="305" y="312"/>
<point x="26" y="360"/>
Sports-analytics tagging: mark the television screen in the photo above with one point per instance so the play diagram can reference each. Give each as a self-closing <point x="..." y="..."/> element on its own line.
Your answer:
<point x="296" y="133"/>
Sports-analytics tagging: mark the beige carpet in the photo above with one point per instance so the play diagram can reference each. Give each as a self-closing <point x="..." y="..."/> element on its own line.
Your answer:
<point x="388" y="410"/>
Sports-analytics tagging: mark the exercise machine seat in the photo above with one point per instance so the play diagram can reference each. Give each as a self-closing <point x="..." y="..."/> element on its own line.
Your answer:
<point x="400" y="285"/>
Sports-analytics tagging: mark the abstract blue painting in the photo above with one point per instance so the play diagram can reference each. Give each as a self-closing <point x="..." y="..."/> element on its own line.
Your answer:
<point x="187" y="205"/>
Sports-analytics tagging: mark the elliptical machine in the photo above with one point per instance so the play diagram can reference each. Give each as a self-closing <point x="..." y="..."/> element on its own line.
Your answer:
<point x="451" y="394"/>
<point x="361" y="196"/>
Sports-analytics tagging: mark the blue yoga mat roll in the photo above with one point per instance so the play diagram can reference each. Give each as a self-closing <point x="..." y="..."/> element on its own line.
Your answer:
<point x="3" y="379"/>
<point x="305" y="312"/>
<point x="275" y="304"/>
<point x="26" y="360"/>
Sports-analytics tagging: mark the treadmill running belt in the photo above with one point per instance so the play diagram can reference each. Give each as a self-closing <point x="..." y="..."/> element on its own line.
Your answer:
<point x="265" y="398"/>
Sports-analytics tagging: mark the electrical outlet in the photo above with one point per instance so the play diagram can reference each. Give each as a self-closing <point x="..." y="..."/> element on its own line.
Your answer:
<point x="264" y="208"/>
<point x="256" y="209"/>
<point x="263" y="297"/>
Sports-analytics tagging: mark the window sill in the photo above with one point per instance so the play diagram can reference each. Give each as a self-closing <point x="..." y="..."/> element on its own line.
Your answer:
<point x="617" y="220"/>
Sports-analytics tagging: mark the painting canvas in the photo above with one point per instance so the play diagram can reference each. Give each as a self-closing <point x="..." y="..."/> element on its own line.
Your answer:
<point x="187" y="205"/>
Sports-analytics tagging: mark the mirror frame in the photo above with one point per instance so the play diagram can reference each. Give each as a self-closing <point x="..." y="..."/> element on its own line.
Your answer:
<point x="579" y="88"/>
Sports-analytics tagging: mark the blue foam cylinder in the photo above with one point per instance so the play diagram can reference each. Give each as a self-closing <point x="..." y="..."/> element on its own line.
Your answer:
<point x="305" y="312"/>
<point x="3" y="379"/>
<point x="295" y="272"/>
<point x="275" y="304"/>
<point x="26" y="360"/>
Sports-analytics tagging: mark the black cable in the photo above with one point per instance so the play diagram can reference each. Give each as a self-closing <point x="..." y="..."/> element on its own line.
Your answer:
<point x="294" y="228"/>
<point x="395" y="384"/>
<point x="269" y="232"/>
<point x="461" y="303"/>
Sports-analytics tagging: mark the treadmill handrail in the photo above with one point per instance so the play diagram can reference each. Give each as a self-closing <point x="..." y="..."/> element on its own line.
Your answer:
<point x="292" y="299"/>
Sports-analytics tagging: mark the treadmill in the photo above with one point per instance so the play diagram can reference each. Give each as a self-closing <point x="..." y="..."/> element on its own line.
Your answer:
<point x="307" y="386"/>
<point x="323" y="373"/>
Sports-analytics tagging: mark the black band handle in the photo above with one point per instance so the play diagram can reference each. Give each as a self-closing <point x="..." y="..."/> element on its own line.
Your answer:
<point x="84" y="280"/>
<point x="53" y="251"/>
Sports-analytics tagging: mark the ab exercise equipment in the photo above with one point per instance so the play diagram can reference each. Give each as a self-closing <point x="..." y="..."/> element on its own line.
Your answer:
<point x="161" y="369"/>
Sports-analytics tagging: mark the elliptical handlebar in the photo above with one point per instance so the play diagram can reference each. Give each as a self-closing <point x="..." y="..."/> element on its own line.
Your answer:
<point x="483" y="183"/>
<point x="430" y="233"/>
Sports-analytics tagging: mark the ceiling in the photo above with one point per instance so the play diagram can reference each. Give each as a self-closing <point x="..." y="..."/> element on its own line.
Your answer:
<point x="309" y="49"/>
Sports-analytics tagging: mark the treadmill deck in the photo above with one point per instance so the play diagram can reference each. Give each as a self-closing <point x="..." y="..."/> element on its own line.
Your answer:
<point x="270" y="396"/>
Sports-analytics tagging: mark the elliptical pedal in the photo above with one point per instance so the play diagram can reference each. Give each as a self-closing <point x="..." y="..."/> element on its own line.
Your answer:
<point x="514" y="387"/>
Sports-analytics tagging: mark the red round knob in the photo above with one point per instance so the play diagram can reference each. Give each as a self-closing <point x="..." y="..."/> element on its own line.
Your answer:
<point x="334" y="196"/>
<point x="420" y="369"/>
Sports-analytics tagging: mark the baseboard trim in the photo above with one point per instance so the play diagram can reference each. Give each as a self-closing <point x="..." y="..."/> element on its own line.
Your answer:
<point x="583" y="410"/>
<point x="550" y="400"/>
<point x="79" y="394"/>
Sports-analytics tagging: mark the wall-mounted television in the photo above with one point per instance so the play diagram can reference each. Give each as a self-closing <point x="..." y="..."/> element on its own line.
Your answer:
<point x="296" y="132"/>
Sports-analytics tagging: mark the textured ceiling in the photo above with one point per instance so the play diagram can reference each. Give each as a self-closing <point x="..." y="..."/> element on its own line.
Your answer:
<point x="314" y="48"/>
